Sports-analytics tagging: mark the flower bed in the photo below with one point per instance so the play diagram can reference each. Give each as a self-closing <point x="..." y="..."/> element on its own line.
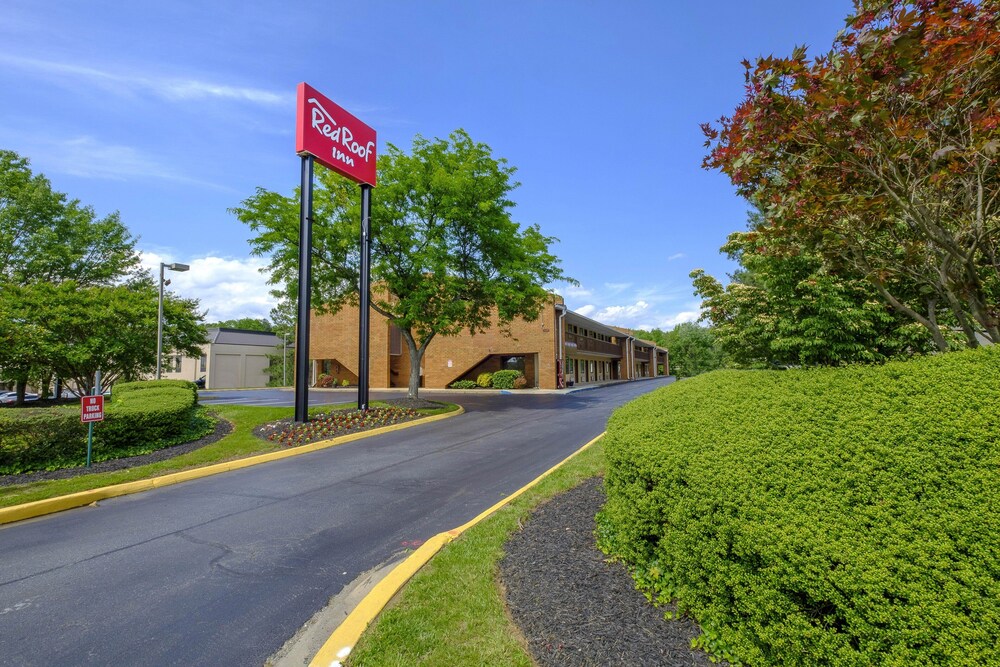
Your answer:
<point x="333" y="424"/>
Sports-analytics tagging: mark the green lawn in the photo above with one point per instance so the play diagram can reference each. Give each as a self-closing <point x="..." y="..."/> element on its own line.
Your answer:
<point x="238" y="444"/>
<point x="451" y="612"/>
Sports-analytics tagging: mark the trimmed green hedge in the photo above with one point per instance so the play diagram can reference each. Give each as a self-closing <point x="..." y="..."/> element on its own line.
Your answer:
<point x="140" y="417"/>
<point x="846" y="517"/>
<point x="124" y="388"/>
<point x="40" y="438"/>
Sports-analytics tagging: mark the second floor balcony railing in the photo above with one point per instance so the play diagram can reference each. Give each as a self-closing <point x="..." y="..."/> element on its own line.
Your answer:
<point x="586" y="344"/>
<point x="643" y="354"/>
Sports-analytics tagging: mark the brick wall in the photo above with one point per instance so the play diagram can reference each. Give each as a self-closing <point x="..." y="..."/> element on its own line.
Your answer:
<point x="446" y="359"/>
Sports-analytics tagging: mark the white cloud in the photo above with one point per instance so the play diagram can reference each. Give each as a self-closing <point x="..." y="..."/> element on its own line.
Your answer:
<point x="616" y="288"/>
<point x="680" y="318"/>
<point x="173" y="89"/>
<point x="574" y="291"/>
<point x="622" y="315"/>
<point x="228" y="288"/>
<point x="676" y="255"/>
<point x="87" y="157"/>
<point x="585" y="310"/>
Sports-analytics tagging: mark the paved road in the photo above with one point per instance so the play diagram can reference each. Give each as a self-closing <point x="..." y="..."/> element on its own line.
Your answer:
<point x="223" y="570"/>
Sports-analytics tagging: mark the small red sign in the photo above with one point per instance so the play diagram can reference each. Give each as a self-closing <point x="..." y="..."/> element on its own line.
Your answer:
<point x="334" y="137"/>
<point x="91" y="409"/>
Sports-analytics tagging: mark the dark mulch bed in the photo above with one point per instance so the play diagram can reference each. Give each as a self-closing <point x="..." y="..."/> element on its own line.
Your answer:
<point x="574" y="608"/>
<point x="222" y="429"/>
<point x="279" y="426"/>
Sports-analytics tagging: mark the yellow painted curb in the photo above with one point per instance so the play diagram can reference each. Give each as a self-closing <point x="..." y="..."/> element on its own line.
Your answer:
<point x="60" y="503"/>
<point x="339" y="645"/>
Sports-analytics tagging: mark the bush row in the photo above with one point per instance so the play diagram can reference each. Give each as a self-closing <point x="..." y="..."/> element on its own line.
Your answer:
<point x="846" y="517"/>
<point x="139" y="418"/>
<point x="505" y="379"/>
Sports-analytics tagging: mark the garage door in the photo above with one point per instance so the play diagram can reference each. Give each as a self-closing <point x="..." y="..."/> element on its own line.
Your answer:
<point x="226" y="371"/>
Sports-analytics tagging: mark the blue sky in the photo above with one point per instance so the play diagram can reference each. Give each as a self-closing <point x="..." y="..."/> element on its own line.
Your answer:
<point x="173" y="112"/>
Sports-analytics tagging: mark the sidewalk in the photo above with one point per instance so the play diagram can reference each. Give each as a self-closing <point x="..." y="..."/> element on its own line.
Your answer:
<point x="352" y="391"/>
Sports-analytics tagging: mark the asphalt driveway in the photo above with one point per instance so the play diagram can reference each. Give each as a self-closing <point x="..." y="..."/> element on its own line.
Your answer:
<point x="223" y="570"/>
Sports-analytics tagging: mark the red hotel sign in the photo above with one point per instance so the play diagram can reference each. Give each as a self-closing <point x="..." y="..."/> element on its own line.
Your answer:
<point x="334" y="137"/>
<point x="91" y="408"/>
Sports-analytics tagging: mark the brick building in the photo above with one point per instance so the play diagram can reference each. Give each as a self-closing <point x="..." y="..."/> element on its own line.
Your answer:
<point x="560" y="348"/>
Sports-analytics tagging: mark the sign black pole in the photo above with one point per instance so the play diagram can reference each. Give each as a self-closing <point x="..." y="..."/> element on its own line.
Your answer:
<point x="365" y="297"/>
<point x="305" y="288"/>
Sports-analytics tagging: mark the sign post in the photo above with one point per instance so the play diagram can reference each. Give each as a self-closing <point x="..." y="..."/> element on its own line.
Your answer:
<point x="338" y="141"/>
<point x="91" y="410"/>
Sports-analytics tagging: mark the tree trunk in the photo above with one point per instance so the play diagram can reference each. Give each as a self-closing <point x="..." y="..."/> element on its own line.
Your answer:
<point x="929" y="322"/>
<point x="416" y="359"/>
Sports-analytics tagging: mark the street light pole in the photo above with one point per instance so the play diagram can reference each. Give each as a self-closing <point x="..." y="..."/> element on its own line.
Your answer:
<point x="159" y="314"/>
<point x="284" y="360"/>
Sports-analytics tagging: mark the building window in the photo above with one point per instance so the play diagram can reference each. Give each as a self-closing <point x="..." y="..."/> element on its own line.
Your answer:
<point x="513" y="364"/>
<point x="203" y="364"/>
<point x="178" y="360"/>
<point x="395" y="341"/>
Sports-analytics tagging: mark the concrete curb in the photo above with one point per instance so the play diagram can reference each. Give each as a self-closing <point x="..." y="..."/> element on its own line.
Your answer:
<point x="60" y="503"/>
<point x="343" y="639"/>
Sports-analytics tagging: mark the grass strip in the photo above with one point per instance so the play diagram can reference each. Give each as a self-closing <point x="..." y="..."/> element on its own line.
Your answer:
<point x="240" y="443"/>
<point x="452" y="612"/>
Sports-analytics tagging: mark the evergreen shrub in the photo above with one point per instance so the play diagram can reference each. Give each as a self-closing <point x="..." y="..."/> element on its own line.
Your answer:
<point x="485" y="380"/>
<point x="505" y="379"/>
<point x="846" y="517"/>
<point x="464" y="384"/>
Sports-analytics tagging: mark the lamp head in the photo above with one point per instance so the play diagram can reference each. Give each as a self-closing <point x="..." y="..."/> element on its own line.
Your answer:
<point x="176" y="266"/>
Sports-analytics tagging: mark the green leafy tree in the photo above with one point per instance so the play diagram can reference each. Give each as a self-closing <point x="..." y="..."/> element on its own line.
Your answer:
<point x="881" y="157"/>
<point x="74" y="331"/>
<point x="785" y="309"/>
<point x="282" y="363"/>
<point x="446" y="254"/>
<point x="47" y="238"/>
<point x="693" y="350"/>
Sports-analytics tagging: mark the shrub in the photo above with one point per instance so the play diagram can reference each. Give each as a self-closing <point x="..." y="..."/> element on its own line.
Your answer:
<point x="325" y="381"/>
<point x="140" y="418"/>
<point x="345" y="383"/>
<point x="520" y="382"/>
<point x="840" y="517"/>
<point x="485" y="380"/>
<point x="33" y="439"/>
<point x="505" y="379"/>
<point x="145" y="415"/>
<point x="148" y="385"/>
<point x="464" y="384"/>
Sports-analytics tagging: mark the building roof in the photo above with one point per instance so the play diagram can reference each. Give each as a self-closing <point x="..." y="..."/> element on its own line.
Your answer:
<point x="226" y="336"/>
